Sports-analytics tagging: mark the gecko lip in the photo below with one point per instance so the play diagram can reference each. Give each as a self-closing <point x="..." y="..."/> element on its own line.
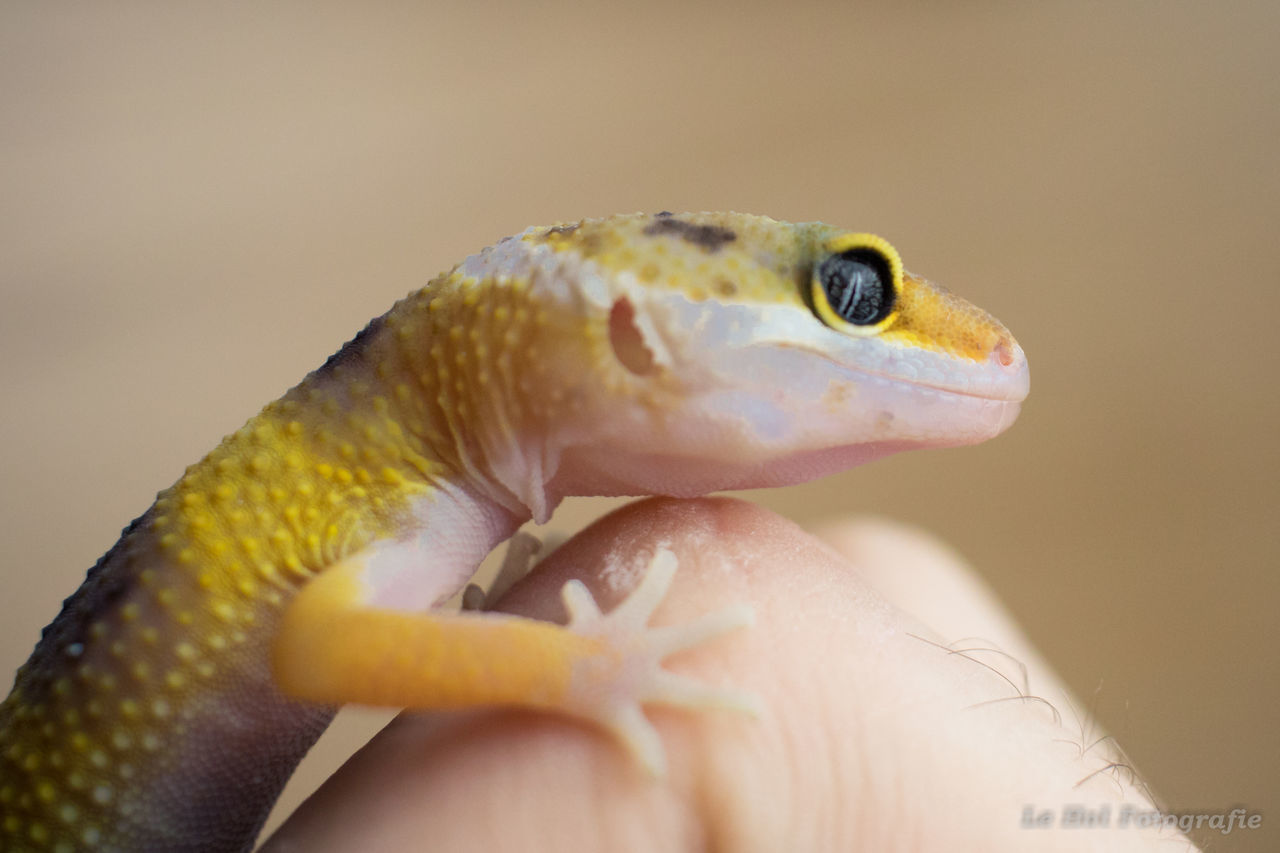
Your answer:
<point x="1009" y="386"/>
<point x="1005" y="378"/>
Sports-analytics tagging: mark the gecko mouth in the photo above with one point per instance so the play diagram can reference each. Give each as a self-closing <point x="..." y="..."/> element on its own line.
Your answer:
<point x="1004" y="377"/>
<point x="994" y="395"/>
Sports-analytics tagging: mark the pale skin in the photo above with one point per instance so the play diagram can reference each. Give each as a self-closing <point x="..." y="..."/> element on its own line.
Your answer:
<point x="873" y="736"/>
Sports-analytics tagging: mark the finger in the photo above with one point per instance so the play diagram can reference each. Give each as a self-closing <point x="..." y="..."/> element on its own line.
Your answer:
<point x="927" y="579"/>
<point x="871" y="738"/>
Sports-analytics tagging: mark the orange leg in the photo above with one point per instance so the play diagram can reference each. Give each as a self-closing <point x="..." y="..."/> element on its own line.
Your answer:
<point x="602" y="667"/>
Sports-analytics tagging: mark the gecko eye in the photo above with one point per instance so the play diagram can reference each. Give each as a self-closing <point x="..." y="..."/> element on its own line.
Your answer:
<point x="855" y="287"/>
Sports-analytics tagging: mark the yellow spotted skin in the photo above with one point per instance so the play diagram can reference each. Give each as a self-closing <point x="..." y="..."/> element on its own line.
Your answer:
<point x="149" y="716"/>
<point x="174" y="620"/>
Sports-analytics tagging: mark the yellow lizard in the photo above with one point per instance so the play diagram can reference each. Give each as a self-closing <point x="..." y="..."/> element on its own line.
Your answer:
<point x="300" y="565"/>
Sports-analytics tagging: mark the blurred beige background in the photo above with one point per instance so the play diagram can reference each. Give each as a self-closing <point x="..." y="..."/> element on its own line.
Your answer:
<point x="200" y="204"/>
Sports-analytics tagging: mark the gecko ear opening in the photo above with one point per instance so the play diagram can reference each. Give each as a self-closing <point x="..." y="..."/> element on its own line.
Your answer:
<point x="628" y="341"/>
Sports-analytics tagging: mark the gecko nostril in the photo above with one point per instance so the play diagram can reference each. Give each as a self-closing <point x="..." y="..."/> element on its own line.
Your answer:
<point x="1004" y="353"/>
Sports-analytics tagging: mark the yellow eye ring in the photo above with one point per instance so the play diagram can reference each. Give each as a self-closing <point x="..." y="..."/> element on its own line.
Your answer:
<point x="855" y="287"/>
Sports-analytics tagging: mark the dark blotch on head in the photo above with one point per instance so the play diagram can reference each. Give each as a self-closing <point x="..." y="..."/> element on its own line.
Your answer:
<point x="709" y="237"/>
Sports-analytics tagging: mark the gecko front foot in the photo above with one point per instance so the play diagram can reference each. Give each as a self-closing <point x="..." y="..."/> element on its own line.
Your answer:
<point x="611" y="688"/>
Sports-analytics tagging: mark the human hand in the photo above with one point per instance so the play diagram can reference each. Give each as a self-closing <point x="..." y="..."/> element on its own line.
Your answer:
<point x="877" y="734"/>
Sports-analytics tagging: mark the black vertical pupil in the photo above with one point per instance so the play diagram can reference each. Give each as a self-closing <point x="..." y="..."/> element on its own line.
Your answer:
<point x="859" y="286"/>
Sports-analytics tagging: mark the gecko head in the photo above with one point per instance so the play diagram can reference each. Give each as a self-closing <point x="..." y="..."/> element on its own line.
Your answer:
<point x="734" y="351"/>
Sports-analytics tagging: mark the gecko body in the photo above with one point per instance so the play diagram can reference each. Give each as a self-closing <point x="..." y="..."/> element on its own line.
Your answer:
<point x="301" y="564"/>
